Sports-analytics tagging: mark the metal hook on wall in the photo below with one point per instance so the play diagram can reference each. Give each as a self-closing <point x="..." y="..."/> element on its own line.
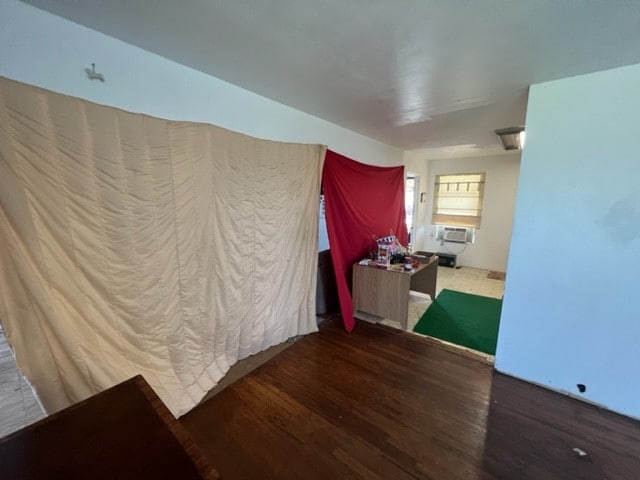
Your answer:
<point x="92" y="75"/>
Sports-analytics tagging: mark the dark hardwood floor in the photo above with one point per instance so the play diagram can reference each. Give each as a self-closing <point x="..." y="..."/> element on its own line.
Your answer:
<point x="383" y="404"/>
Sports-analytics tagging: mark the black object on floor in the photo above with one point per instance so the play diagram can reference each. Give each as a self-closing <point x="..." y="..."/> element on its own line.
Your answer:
<point x="326" y="288"/>
<point x="447" y="259"/>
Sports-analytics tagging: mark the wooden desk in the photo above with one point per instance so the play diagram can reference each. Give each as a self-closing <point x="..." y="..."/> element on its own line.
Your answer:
<point x="123" y="432"/>
<point x="385" y="292"/>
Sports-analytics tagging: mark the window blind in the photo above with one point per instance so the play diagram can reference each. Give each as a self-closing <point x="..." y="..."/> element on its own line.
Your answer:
<point x="458" y="200"/>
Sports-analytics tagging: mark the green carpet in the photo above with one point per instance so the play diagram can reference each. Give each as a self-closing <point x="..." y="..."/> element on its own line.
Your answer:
<point x="464" y="319"/>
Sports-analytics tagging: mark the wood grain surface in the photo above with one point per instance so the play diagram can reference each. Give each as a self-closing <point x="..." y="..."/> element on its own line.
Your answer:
<point x="385" y="292"/>
<point x="384" y="404"/>
<point x="123" y="432"/>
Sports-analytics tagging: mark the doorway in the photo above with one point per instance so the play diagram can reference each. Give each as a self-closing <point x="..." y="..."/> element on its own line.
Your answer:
<point x="411" y="189"/>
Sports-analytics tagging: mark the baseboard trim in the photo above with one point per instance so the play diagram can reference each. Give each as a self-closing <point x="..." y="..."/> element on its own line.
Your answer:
<point x="567" y="394"/>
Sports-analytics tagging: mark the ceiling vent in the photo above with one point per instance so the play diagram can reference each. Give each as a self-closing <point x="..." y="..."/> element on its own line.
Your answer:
<point x="512" y="138"/>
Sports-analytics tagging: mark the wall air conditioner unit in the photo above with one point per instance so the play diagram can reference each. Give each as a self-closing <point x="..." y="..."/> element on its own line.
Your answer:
<point x="455" y="234"/>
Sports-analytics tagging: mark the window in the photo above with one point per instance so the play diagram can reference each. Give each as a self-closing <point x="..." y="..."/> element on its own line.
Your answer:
<point x="458" y="200"/>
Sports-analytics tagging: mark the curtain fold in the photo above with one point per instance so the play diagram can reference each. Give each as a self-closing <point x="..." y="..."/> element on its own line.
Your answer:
<point x="132" y="244"/>
<point x="361" y="201"/>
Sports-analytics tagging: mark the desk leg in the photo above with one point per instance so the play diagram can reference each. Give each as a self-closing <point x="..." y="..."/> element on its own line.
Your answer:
<point x="425" y="280"/>
<point x="357" y="288"/>
<point x="403" y="311"/>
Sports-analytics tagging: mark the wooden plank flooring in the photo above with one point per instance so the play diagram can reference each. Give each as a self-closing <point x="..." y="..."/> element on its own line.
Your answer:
<point x="382" y="404"/>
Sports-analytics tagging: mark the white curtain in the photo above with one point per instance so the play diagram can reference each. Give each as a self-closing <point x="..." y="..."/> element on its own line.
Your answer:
<point x="131" y="244"/>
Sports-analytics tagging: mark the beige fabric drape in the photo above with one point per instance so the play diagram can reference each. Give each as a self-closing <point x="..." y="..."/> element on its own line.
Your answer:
<point x="131" y="244"/>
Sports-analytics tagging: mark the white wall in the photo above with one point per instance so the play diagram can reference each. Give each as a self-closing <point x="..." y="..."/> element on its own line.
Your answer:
<point x="42" y="49"/>
<point x="491" y="248"/>
<point x="570" y="312"/>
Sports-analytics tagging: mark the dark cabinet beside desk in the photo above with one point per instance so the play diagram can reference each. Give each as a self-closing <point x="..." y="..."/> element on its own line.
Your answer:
<point x="385" y="292"/>
<point x="123" y="432"/>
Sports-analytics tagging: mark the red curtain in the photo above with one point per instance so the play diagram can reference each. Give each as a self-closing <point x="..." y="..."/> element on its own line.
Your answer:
<point x="360" y="201"/>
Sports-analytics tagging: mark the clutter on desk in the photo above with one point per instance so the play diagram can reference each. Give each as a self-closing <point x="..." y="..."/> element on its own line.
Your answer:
<point x="384" y="255"/>
<point x="407" y="266"/>
<point x="388" y="251"/>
